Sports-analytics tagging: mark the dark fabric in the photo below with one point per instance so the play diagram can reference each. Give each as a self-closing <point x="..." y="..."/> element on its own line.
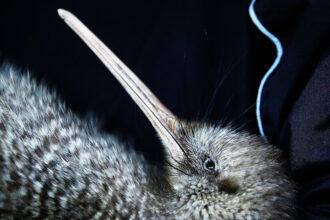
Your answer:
<point x="203" y="59"/>
<point x="296" y="106"/>
<point x="309" y="140"/>
<point x="303" y="27"/>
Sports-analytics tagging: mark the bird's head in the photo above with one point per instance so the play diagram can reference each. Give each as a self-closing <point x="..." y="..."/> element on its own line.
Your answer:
<point x="219" y="172"/>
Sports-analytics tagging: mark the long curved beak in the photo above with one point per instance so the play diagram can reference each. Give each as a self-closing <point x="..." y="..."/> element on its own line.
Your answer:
<point x="160" y="117"/>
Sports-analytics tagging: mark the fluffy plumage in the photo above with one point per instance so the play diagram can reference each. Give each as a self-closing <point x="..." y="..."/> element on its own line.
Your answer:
<point x="54" y="165"/>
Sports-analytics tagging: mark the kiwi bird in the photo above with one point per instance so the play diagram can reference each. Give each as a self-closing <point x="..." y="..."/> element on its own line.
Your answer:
<point x="54" y="165"/>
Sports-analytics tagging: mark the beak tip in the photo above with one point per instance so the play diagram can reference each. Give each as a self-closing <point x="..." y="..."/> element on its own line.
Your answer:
<point x="61" y="12"/>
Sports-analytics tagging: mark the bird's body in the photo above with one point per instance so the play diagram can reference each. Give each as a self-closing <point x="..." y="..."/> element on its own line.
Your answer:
<point x="54" y="165"/>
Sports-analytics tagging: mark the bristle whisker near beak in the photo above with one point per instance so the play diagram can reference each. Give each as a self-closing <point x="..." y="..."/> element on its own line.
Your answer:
<point x="160" y="117"/>
<point x="176" y="167"/>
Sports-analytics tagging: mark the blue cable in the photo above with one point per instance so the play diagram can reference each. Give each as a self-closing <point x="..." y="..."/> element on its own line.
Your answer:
<point x="277" y="60"/>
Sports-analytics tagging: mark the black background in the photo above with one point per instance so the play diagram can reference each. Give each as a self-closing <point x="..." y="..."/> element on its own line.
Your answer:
<point x="195" y="56"/>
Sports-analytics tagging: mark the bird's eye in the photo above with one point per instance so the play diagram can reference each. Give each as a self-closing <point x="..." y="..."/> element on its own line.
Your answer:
<point x="209" y="165"/>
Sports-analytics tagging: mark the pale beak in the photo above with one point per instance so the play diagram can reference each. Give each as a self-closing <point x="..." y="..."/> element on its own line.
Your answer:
<point x="160" y="117"/>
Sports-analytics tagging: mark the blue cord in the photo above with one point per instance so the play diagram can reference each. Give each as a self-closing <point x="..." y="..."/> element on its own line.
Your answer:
<point x="277" y="60"/>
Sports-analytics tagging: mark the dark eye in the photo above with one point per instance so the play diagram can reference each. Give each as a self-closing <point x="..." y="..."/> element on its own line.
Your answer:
<point x="209" y="165"/>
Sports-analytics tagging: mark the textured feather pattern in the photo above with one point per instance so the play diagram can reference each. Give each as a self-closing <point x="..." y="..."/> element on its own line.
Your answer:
<point x="54" y="165"/>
